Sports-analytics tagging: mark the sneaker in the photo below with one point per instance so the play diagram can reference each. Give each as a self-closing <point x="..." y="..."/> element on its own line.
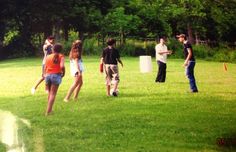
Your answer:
<point x="33" y="91"/>
<point x="114" y="94"/>
<point x="194" y="91"/>
<point x="66" y="100"/>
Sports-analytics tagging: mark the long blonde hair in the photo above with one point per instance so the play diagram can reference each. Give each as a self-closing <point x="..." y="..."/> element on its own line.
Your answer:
<point x="76" y="50"/>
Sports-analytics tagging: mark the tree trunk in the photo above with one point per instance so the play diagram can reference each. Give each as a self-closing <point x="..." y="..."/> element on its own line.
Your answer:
<point x="66" y="32"/>
<point x="2" y="33"/>
<point x="190" y="34"/>
<point x="196" y="38"/>
<point x="81" y="35"/>
<point x="56" y="30"/>
<point x="47" y="31"/>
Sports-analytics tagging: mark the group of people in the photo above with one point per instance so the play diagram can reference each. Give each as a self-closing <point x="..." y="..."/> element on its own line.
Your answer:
<point x="53" y="69"/>
<point x="189" y="63"/>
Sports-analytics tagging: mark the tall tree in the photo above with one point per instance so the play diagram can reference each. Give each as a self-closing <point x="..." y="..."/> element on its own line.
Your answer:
<point x="120" y="23"/>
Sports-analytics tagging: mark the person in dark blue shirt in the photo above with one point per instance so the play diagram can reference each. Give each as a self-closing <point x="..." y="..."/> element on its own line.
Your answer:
<point x="189" y="62"/>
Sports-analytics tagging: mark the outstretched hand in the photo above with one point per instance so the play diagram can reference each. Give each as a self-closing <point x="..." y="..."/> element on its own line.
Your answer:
<point x="121" y="64"/>
<point x="170" y="52"/>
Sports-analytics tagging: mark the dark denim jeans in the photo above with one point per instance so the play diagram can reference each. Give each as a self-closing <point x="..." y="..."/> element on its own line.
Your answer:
<point x="190" y="75"/>
<point x="161" y="74"/>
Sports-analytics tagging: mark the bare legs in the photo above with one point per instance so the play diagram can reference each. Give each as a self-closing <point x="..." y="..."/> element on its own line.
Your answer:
<point x="75" y="87"/>
<point x="36" y="85"/>
<point x="51" y="97"/>
<point x="115" y="86"/>
<point x="108" y="90"/>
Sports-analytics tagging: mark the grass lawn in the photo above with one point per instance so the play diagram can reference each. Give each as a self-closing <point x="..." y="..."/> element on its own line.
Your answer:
<point x="146" y="117"/>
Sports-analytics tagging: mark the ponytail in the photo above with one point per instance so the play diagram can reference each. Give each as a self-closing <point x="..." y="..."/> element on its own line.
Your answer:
<point x="56" y="58"/>
<point x="57" y="49"/>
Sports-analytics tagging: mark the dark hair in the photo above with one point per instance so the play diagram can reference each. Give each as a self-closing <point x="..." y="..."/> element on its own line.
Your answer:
<point x="50" y="37"/>
<point x="161" y="37"/>
<point x="57" y="48"/>
<point x="111" y="41"/>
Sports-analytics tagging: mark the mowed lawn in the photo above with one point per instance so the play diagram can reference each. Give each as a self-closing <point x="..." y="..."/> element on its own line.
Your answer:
<point x="145" y="117"/>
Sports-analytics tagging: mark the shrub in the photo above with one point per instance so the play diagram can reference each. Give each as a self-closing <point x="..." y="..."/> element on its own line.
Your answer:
<point x="90" y="47"/>
<point x="127" y="49"/>
<point x="176" y="47"/>
<point x="232" y="56"/>
<point x="150" y="49"/>
<point x="221" y="56"/>
<point x="202" y="51"/>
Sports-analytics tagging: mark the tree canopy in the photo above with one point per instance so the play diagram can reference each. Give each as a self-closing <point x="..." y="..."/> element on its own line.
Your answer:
<point x="23" y="20"/>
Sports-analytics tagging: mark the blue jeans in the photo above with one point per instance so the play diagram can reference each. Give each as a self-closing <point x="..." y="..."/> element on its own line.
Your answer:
<point x="190" y="75"/>
<point x="53" y="79"/>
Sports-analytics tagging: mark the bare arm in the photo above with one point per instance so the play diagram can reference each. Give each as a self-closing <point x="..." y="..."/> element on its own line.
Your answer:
<point x="162" y="51"/>
<point x="165" y="52"/>
<point x="101" y="60"/>
<point x="62" y="66"/>
<point x="120" y="62"/>
<point x="188" y="57"/>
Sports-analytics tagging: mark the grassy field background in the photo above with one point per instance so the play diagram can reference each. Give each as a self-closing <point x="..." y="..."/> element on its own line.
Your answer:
<point x="146" y="117"/>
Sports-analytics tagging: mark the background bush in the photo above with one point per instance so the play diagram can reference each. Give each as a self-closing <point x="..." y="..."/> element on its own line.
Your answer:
<point x="133" y="47"/>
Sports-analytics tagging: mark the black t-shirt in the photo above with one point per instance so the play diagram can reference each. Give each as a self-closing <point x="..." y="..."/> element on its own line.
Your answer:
<point x="49" y="49"/>
<point x="110" y="56"/>
<point x="186" y="47"/>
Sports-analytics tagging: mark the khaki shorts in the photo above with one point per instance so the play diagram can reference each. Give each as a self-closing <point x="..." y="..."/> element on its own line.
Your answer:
<point x="112" y="74"/>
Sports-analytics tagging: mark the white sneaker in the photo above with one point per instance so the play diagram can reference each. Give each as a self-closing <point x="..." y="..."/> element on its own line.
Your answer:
<point x="66" y="100"/>
<point x="33" y="91"/>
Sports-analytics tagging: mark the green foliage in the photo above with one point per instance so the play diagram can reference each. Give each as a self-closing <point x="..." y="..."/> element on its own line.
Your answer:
<point x="3" y="147"/>
<point x="137" y="48"/>
<point x="67" y="44"/>
<point x="203" y="51"/>
<point x="232" y="56"/>
<point x="207" y="19"/>
<point x="90" y="47"/>
<point x="225" y="55"/>
<point x="127" y="49"/>
<point x="221" y="56"/>
<point x="9" y="36"/>
<point x="118" y="22"/>
<point x="176" y="48"/>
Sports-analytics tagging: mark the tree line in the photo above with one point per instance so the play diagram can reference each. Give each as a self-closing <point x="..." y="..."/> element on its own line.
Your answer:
<point x="23" y="21"/>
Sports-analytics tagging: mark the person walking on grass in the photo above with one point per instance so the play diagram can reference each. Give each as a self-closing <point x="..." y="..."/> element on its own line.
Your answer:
<point x="54" y="71"/>
<point x="189" y="62"/>
<point x="110" y="57"/>
<point x="47" y="50"/>
<point x="161" y="58"/>
<point x="76" y="68"/>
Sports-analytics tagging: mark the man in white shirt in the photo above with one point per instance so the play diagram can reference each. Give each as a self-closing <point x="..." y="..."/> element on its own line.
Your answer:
<point x="161" y="58"/>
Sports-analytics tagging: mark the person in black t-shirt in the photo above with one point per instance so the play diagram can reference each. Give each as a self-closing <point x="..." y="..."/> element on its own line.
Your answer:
<point x="110" y="58"/>
<point x="189" y="63"/>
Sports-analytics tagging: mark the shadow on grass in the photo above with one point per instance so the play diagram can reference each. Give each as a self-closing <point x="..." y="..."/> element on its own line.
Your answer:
<point x="3" y="147"/>
<point x="227" y="142"/>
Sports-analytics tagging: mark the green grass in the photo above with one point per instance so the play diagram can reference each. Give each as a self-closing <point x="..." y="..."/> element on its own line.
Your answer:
<point x="146" y="117"/>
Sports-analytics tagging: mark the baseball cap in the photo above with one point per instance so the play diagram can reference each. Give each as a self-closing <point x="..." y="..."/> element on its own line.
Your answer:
<point x="181" y="35"/>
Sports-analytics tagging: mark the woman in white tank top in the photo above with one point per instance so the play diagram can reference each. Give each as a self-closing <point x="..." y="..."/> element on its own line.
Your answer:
<point x="76" y="70"/>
